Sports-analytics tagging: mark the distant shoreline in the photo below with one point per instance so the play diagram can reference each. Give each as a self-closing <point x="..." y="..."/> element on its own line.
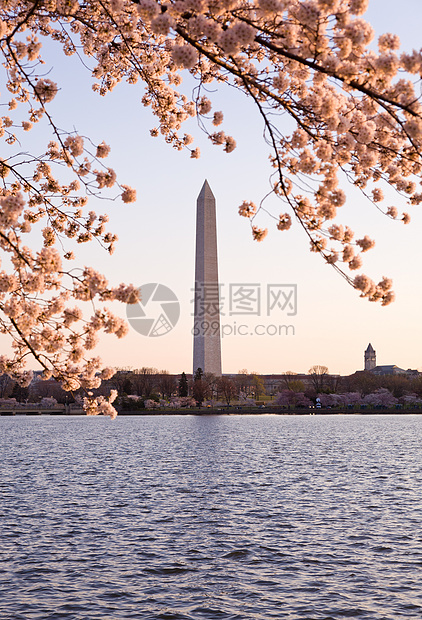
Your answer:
<point x="273" y="411"/>
<point x="267" y="410"/>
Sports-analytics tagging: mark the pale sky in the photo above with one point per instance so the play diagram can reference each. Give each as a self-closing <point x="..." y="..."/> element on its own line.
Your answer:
<point x="333" y="326"/>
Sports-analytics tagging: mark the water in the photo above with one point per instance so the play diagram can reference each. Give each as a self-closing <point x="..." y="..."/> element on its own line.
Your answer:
<point x="211" y="517"/>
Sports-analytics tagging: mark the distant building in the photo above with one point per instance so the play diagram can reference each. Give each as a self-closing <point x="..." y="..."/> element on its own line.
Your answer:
<point x="370" y="357"/>
<point x="388" y="369"/>
<point x="392" y="369"/>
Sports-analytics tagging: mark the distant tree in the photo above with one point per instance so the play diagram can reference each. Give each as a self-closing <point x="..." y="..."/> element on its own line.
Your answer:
<point x="397" y="384"/>
<point x="178" y="402"/>
<point x="144" y="381"/>
<point x="381" y="398"/>
<point x="127" y="386"/>
<point x="166" y="383"/>
<point x="244" y="381"/>
<point x="227" y="389"/>
<point x="334" y="383"/>
<point x="364" y="382"/>
<point x="131" y="403"/>
<point x="416" y="385"/>
<point x="6" y="386"/>
<point x="198" y="374"/>
<point x="211" y="380"/>
<point x="290" y="399"/>
<point x="329" y="400"/>
<point x="297" y="385"/>
<point x="183" y="388"/>
<point x="199" y="391"/>
<point x="258" y="385"/>
<point x="411" y="400"/>
<point x="286" y="379"/>
<point x="203" y="386"/>
<point x="285" y="398"/>
<point x="20" y="392"/>
<point x="352" y="398"/>
<point x="302" y="400"/>
<point x="49" y="388"/>
<point x="318" y="375"/>
<point x="151" y="403"/>
<point x="119" y="380"/>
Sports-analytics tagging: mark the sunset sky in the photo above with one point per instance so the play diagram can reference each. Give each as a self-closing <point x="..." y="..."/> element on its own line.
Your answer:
<point x="332" y="326"/>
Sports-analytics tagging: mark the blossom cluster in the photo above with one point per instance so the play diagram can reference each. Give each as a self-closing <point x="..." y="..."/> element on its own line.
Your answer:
<point x="100" y="405"/>
<point x="41" y="292"/>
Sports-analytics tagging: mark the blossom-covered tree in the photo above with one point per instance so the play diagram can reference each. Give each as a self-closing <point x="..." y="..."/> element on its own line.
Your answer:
<point x="352" y="398"/>
<point x="178" y="402"/>
<point x="381" y="398"/>
<point x="355" y="111"/>
<point x="285" y="398"/>
<point x="411" y="400"/>
<point x="289" y="398"/>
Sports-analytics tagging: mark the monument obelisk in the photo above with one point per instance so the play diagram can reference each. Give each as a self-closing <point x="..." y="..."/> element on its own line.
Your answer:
<point x="206" y="339"/>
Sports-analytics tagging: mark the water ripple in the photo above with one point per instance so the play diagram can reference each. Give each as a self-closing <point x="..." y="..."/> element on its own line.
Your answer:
<point x="216" y="517"/>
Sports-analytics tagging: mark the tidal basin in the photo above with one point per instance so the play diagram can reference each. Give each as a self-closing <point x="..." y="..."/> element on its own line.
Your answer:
<point x="211" y="517"/>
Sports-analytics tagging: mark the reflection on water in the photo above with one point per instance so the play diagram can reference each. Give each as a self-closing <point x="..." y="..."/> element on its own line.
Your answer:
<point x="211" y="517"/>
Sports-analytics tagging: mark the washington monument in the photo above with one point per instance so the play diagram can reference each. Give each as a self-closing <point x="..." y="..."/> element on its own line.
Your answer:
<point x="206" y="340"/>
